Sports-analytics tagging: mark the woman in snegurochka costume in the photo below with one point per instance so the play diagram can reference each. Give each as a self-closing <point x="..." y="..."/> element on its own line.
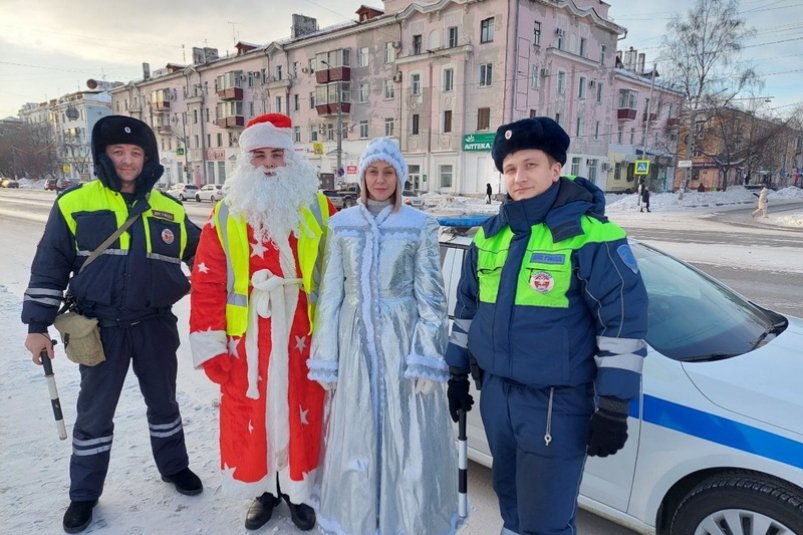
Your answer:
<point x="389" y="463"/>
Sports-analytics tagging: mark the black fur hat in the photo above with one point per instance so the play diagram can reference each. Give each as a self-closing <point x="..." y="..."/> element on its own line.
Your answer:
<point x="114" y="129"/>
<point x="534" y="133"/>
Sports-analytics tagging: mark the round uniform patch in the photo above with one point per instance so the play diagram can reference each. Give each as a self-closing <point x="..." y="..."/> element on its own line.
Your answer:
<point x="508" y="134"/>
<point x="542" y="282"/>
<point x="167" y="236"/>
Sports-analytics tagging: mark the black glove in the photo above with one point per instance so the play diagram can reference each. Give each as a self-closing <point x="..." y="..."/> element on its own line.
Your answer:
<point x="458" y="395"/>
<point x="608" y="429"/>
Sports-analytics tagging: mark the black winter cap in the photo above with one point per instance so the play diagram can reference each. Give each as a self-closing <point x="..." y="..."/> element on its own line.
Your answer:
<point x="114" y="129"/>
<point x="533" y="133"/>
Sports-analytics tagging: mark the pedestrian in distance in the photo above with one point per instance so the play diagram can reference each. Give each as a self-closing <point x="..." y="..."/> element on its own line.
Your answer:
<point x="761" y="203"/>
<point x="552" y="308"/>
<point x="645" y="198"/>
<point x="254" y="286"/>
<point x="390" y="463"/>
<point x="489" y="191"/>
<point x="129" y="289"/>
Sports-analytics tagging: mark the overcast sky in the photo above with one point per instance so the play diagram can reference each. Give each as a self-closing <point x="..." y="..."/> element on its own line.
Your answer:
<point x="51" y="47"/>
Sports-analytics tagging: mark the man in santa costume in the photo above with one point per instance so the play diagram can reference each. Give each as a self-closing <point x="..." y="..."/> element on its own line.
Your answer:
<point x="254" y="288"/>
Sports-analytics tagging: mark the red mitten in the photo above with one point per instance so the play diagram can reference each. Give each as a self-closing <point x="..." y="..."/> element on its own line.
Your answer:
<point x="217" y="368"/>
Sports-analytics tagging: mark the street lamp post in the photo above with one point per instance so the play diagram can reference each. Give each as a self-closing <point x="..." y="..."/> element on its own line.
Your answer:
<point x="339" y="128"/>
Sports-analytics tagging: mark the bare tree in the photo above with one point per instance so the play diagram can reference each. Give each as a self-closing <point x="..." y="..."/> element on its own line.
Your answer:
<point x="27" y="150"/>
<point x="703" y="48"/>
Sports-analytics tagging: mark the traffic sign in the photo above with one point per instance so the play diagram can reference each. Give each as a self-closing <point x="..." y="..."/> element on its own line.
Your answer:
<point x="684" y="164"/>
<point x="642" y="167"/>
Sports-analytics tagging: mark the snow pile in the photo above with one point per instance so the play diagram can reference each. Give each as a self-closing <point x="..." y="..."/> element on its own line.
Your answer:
<point x="29" y="183"/>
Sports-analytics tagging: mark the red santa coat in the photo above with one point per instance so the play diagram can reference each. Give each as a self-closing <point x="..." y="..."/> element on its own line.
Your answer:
<point x="246" y="428"/>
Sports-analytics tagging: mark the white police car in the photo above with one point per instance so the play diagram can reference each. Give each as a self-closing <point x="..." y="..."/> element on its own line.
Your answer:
<point x="716" y="437"/>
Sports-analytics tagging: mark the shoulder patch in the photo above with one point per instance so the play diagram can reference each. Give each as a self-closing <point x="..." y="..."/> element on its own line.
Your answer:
<point x="626" y="255"/>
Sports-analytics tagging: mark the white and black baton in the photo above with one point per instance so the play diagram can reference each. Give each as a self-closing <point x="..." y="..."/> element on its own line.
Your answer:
<point x="462" y="465"/>
<point x="54" y="393"/>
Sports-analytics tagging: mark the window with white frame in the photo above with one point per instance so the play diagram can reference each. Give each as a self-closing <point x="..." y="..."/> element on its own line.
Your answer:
<point x="599" y="92"/>
<point x="561" y="83"/>
<point x="483" y="118"/>
<point x="596" y="130"/>
<point x="581" y="87"/>
<point x="575" y="166"/>
<point x="415" y="84"/>
<point x="628" y="99"/>
<point x="313" y="133"/>
<point x="312" y="99"/>
<point x="445" y="173"/>
<point x="278" y="104"/>
<point x="297" y="134"/>
<point x="415" y="120"/>
<point x="278" y="72"/>
<point x="389" y="121"/>
<point x="390" y="52"/>
<point x="363" y="129"/>
<point x="537" y="33"/>
<point x="602" y="50"/>
<point x="592" y="170"/>
<point x="414" y="175"/>
<point x="363" y="92"/>
<point x="487" y="30"/>
<point x="296" y="103"/>
<point x="447" y="121"/>
<point x="417" y="42"/>
<point x="362" y="57"/>
<point x="535" y="78"/>
<point x="330" y="132"/>
<point x="486" y="74"/>
<point x="578" y="127"/>
<point x="451" y="36"/>
<point x="632" y="135"/>
<point x="448" y="79"/>
<point x="583" y="47"/>
<point x="390" y="89"/>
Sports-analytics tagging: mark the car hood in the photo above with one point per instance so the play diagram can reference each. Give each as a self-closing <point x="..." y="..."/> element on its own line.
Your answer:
<point x="763" y="384"/>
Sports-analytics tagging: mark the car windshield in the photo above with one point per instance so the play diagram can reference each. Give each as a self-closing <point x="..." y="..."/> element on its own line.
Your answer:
<point x="693" y="317"/>
<point x="191" y="186"/>
<point x="408" y="193"/>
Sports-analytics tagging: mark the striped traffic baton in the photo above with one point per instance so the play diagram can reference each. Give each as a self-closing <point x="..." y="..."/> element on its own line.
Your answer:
<point x="462" y="465"/>
<point x="54" y="393"/>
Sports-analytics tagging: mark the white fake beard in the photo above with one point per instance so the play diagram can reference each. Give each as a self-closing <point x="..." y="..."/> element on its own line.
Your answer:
<point x="271" y="204"/>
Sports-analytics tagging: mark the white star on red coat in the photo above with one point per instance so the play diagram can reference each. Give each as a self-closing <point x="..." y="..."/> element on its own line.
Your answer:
<point x="258" y="249"/>
<point x="301" y="343"/>
<point x="202" y="268"/>
<point x="304" y="412"/>
<point x="233" y="345"/>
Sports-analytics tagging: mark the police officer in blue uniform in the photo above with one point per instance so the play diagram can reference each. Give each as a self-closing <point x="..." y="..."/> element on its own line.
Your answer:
<point x="130" y="288"/>
<point x="552" y="307"/>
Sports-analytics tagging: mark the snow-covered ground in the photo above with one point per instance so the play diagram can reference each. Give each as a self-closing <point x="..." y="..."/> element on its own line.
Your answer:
<point x="34" y="463"/>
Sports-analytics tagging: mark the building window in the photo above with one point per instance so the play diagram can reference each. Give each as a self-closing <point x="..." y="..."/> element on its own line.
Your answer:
<point x="297" y="134"/>
<point x="416" y="45"/>
<point x="620" y="134"/>
<point x="602" y="50"/>
<point x="414" y="130"/>
<point x="628" y="99"/>
<point x="389" y="126"/>
<point x="558" y="119"/>
<point x="313" y="133"/>
<point x="209" y="140"/>
<point x="561" y="83"/>
<point x="312" y="100"/>
<point x="451" y="38"/>
<point x="448" y="79"/>
<point x="578" y="130"/>
<point x="278" y="101"/>
<point x="575" y="166"/>
<point x="363" y="129"/>
<point x="445" y="175"/>
<point x="415" y="84"/>
<point x="537" y="33"/>
<point x="535" y="78"/>
<point x="483" y="118"/>
<point x="278" y="72"/>
<point x="197" y="142"/>
<point x="561" y="37"/>
<point x="487" y="30"/>
<point x="219" y="139"/>
<point x="486" y="74"/>
<point x="533" y="113"/>
<point x="596" y="131"/>
<point x="390" y="91"/>
<point x="330" y="132"/>
<point x="390" y="52"/>
<point x="583" y="47"/>
<point x="632" y="135"/>
<point x="599" y="92"/>
<point x="311" y="65"/>
<point x="194" y="116"/>
<point x="363" y="96"/>
<point x="447" y="121"/>
<point x="414" y="175"/>
<point x="592" y="170"/>
<point x="295" y="102"/>
<point x="362" y="57"/>
<point x="581" y="88"/>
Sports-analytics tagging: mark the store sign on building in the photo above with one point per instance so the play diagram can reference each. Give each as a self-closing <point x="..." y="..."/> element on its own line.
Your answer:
<point x="480" y="142"/>
<point x="351" y="169"/>
<point x="215" y="154"/>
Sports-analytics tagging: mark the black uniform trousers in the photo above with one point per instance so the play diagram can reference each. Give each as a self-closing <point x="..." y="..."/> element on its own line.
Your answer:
<point x="536" y="479"/>
<point x="150" y="345"/>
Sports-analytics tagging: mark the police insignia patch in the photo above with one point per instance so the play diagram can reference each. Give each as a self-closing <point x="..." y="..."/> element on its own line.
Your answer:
<point x="167" y="236"/>
<point x="542" y="282"/>
<point x="163" y="215"/>
<point x="627" y="257"/>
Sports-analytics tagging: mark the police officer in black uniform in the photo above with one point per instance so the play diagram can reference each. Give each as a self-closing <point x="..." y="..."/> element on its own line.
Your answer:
<point x="130" y="288"/>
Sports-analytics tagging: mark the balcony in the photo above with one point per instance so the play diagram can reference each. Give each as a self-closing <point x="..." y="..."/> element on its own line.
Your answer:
<point x="164" y="129"/>
<point x="278" y="83"/>
<point x="334" y="74"/>
<point x="653" y="116"/>
<point x="230" y="93"/>
<point x="232" y="121"/>
<point x="160" y="106"/>
<point x="331" y="108"/>
<point x="673" y="122"/>
<point x="625" y="113"/>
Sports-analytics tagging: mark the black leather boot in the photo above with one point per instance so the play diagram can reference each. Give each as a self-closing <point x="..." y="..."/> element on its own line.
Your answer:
<point x="78" y="516"/>
<point x="260" y="511"/>
<point x="303" y="515"/>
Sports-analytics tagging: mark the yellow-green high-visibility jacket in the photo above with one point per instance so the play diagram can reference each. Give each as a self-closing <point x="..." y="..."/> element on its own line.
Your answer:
<point x="232" y="231"/>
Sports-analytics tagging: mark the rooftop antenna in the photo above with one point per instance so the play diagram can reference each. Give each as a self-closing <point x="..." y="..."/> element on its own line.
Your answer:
<point x="183" y="54"/>
<point x="233" y="27"/>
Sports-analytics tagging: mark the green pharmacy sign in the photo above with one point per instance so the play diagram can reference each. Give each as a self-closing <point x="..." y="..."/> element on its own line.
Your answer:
<point x="478" y="142"/>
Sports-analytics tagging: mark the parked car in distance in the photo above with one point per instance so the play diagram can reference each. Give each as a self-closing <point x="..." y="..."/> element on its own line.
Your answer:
<point x="9" y="183"/>
<point x="210" y="192"/>
<point x="50" y="184"/>
<point x="344" y="196"/>
<point x="183" y="192"/>
<point x="65" y="183"/>
<point x="411" y="198"/>
<point x="716" y="436"/>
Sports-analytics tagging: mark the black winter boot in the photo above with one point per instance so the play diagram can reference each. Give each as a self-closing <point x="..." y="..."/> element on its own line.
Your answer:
<point x="186" y="482"/>
<point x="78" y="516"/>
<point x="261" y="510"/>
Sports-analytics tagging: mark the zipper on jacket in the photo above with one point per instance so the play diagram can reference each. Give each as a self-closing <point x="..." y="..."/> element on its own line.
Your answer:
<point x="548" y="432"/>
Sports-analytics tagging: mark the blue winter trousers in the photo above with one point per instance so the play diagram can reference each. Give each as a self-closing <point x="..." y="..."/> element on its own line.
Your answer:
<point x="539" y="451"/>
<point x="150" y="346"/>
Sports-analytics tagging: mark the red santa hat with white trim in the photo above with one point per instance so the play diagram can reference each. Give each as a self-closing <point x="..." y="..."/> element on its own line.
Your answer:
<point x="273" y="130"/>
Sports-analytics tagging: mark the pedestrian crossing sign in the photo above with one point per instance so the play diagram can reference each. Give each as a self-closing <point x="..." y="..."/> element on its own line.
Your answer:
<point x="642" y="167"/>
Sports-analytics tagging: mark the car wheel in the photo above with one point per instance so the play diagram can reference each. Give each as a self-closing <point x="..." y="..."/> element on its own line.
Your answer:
<point x="740" y="504"/>
<point x="197" y="198"/>
<point x="348" y="202"/>
<point x="181" y="197"/>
